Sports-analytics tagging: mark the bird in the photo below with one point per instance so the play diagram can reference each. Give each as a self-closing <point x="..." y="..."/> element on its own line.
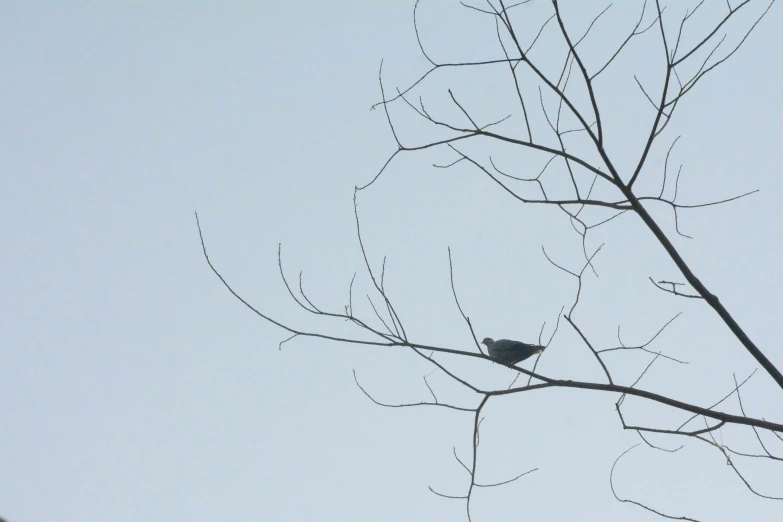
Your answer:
<point x="510" y="352"/>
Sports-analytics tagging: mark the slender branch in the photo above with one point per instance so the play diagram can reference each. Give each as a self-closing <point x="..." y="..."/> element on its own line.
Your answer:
<point x="634" y="502"/>
<point x="456" y="300"/>
<point x="408" y="405"/>
<point x="595" y="353"/>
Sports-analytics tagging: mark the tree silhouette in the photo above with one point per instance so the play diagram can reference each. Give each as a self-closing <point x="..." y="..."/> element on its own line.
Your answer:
<point x="558" y="118"/>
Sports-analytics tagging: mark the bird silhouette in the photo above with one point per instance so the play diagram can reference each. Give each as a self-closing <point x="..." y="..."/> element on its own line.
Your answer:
<point x="510" y="352"/>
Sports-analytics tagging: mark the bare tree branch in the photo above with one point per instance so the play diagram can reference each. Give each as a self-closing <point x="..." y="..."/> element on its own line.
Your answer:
<point x="634" y="502"/>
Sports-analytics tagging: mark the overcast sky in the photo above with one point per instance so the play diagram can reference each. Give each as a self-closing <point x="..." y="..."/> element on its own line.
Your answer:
<point x="133" y="386"/>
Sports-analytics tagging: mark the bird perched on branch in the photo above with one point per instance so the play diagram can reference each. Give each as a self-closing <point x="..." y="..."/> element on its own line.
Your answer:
<point x="510" y="352"/>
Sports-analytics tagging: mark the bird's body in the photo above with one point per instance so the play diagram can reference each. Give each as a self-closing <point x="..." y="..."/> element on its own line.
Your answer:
<point x="511" y="352"/>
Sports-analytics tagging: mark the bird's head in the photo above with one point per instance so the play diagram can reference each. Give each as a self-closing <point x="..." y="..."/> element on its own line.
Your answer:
<point x="488" y="341"/>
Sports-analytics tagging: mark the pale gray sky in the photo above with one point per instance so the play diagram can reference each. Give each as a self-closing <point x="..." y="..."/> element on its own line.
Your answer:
<point x="135" y="387"/>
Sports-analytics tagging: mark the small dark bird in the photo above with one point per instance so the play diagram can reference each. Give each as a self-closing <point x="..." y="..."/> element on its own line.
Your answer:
<point x="511" y="352"/>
